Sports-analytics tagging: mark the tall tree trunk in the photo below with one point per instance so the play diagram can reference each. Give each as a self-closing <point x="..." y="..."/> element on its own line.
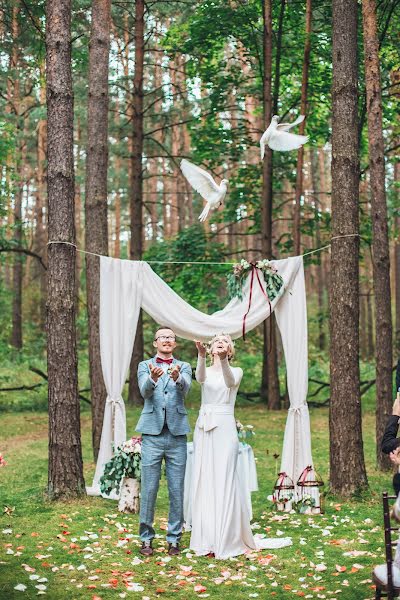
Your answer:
<point x="347" y="467"/>
<point x="96" y="199"/>
<point x="136" y="203"/>
<point x="318" y="267"/>
<point x="118" y="186"/>
<point x="270" y="379"/>
<point x="79" y="234"/>
<point x="303" y="111"/>
<point x="397" y="256"/>
<point x="65" y="454"/>
<point x="370" y="325"/>
<point x="16" y="332"/>
<point x="278" y="58"/>
<point x="363" y="324"/>
<point x="40" y="229"/>
<point x="380" y="244"/>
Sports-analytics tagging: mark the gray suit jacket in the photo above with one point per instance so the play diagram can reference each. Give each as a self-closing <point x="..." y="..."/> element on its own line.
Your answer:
<point x="164" y="401"/>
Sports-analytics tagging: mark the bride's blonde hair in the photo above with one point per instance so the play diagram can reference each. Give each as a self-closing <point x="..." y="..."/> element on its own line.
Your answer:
<point x="231" y="345"/>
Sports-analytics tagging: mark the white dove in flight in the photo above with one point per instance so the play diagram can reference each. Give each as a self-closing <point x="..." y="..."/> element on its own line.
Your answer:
<point x="205" y="185"/>
<point x="277" y="136"/>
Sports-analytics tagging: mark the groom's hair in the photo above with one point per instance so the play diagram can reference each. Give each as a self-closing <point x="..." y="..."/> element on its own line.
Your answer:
<point x="163" y="327"/>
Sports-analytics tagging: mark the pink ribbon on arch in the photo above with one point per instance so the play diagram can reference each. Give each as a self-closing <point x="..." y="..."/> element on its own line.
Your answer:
<point x="255" y="270"/>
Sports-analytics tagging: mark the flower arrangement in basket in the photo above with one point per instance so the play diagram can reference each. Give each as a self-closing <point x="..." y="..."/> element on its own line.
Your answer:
<point x="245" y="432"/>
<point x="236" y="279"/>
<point x="310" y="498"/>
<point x="282" y="497"/>
<point x="123" y="472"/>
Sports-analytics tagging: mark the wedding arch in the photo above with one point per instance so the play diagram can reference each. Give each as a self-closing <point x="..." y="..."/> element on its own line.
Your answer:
<point x="126" y="286"/>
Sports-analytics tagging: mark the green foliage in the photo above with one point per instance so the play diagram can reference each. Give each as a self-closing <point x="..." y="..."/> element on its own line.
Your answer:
<point x="236" y="279"/>
<point x="122" y="465"/>
<point x="201" y="286"/>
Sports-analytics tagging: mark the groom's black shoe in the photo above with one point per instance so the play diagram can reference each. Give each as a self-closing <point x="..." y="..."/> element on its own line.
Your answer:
<point x="146" y="549"/>
<point x="173" y="549"/>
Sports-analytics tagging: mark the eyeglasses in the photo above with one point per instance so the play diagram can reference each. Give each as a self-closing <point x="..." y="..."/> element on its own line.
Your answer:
<point x="166" y="338"/>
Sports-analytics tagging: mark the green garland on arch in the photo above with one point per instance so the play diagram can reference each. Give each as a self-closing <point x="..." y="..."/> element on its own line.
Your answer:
<point x="273" y="281"/>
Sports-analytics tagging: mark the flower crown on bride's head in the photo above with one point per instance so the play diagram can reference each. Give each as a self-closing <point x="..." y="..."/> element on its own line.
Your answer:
<point x="231" y="344"/>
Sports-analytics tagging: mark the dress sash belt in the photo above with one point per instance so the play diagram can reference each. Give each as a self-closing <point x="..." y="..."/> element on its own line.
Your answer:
<point x="207" y="420"/>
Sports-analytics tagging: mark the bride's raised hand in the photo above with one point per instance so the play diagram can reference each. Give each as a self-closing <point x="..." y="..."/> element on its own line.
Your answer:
<point x="201" y="349"/>
<point x="221" y="353"/>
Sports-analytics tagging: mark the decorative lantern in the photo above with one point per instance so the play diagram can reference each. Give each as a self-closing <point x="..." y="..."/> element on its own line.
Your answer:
<point x="310" y="498"/>
<point x="283" y="495"/>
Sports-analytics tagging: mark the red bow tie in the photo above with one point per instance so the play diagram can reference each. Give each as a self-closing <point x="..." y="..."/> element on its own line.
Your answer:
<point x="164" y="360"/>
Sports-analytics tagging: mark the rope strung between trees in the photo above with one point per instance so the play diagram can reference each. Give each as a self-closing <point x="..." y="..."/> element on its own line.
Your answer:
<point x="194" y="262"/>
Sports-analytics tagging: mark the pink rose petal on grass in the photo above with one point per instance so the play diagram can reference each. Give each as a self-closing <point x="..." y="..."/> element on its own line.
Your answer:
<point x="199" y="589"/>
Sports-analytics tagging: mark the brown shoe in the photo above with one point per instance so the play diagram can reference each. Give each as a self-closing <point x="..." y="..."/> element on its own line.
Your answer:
<point x="146" y="549"/>
<point x="173" y="549"/>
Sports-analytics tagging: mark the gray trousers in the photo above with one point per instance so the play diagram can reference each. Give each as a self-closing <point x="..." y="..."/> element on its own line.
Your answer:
<point x="173" y="449"/>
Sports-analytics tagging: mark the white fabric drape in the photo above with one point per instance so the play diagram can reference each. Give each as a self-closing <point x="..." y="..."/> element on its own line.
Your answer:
<point x="120" y="300"/>
<point x="168" y="308"/>
<point x="291" y="317"/>
<point x="127" y="285"/>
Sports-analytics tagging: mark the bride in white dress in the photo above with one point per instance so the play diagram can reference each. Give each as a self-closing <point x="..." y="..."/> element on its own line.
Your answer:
<point x="220" y="519"/>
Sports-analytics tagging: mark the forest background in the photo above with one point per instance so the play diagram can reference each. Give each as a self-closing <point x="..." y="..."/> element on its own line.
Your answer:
<point x="200" y="80"/>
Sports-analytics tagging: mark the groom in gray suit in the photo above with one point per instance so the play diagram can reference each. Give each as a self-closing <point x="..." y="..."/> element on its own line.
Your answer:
<point x="164" y="382"/>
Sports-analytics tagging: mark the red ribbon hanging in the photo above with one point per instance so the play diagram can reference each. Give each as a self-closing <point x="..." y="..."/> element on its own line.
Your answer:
<point x="304" y="474"/>
<point x="254" y="270"/>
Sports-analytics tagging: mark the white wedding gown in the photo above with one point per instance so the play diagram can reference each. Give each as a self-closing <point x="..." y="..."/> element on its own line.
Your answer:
<point x="220" y="519"/>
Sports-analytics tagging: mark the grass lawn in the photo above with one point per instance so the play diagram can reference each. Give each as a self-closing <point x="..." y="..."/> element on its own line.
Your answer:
<point x="86" y="549"/>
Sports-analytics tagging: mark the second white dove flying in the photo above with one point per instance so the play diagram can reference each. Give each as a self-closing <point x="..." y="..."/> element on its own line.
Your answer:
<point x="277" y="136"/>
<point x="205" y="185"/>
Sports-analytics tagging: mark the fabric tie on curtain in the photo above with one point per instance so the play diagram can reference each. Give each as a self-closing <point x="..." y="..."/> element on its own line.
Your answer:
<point x="114" y="401"/>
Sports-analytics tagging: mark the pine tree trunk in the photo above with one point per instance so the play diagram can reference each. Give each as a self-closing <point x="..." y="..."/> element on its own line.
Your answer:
<point x="318" y="267"/>
<point x="303" y="111"/>
<point x="65" y="455"/>
<point x="347" y="467"/>
<point x="380" y="244"/>
<point x="78" y="212"/>
<point x="363" y="325"/>
<point x="270" y="380"/>
<point x="136" y="202"/>
<point x="370" y="326"/>
<point x="16" y="332"/>
<point x="397" y="257"/>
<point x="96" y="230"/>
<point x="118" y="185"/>
<point x="40" y="229"/>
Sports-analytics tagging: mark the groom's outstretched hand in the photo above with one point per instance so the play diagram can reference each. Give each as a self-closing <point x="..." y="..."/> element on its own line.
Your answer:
<point x="175" y="372"/>
<point x="155" y="372"/>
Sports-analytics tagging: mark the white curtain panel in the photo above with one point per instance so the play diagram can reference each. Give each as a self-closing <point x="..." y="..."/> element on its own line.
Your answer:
<point x="291" y="317"/>
<point x="120" y="300"/>
<point x="127" y="285"/>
